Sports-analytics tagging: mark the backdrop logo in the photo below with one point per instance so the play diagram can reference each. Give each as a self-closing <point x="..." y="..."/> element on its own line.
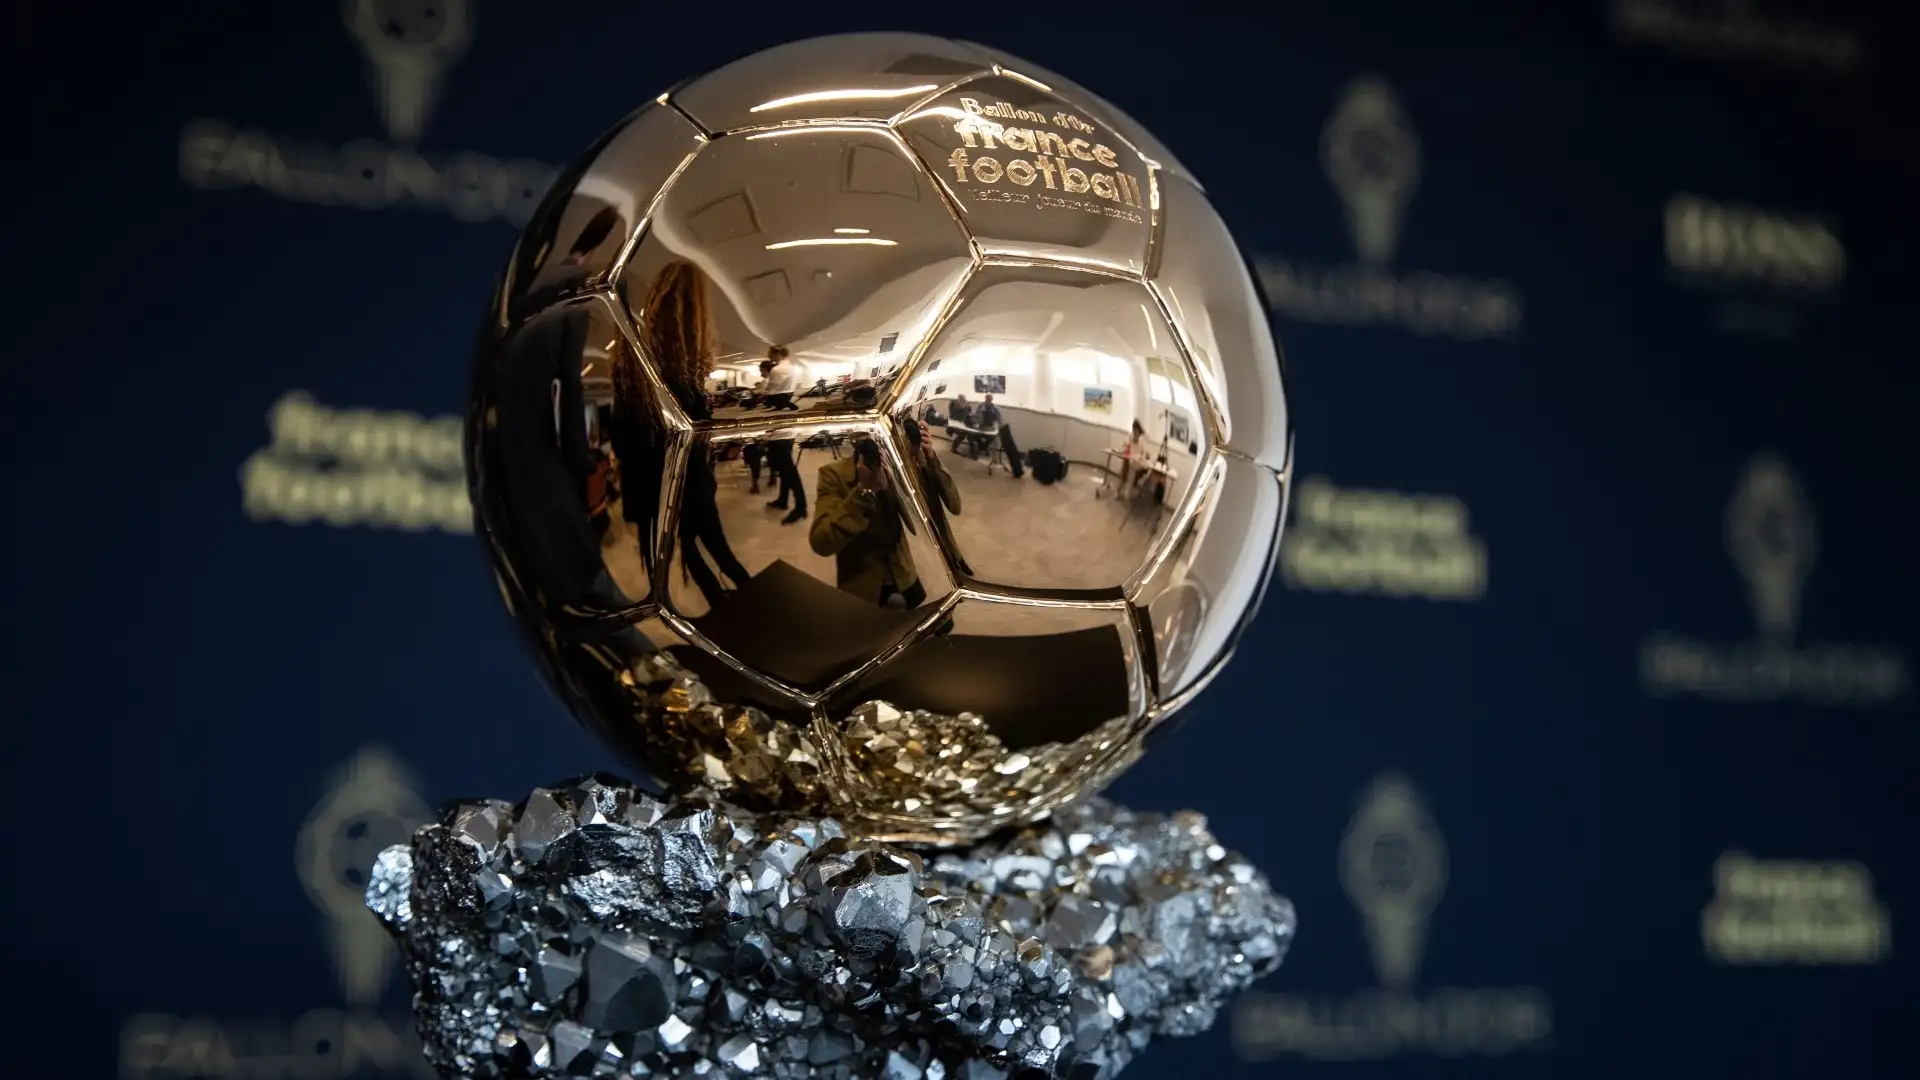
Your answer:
<point x="1737" y="31"/>
<point x="408" y="49"/>
<point x="1382" y="543"/>
<point x="370" y="804"/>
<point x="1742" y="244"/>
<point x="1372" y="155"/>
<point x="1393" y="864"/>
<point x="1767" y="260"/>
<point x="1773" y="536"/>
<point x="351" y="467"/>
<point x="1793" y="912"/>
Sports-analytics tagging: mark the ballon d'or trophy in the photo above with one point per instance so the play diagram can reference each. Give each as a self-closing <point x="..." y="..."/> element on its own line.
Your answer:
<point x="878" y="441"/>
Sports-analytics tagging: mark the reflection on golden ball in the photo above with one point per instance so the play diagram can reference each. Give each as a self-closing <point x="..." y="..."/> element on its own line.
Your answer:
<point x="884" y="425"/>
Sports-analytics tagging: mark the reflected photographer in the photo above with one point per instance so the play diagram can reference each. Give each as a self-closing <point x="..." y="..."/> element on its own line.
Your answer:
<point x="860" y="521"/>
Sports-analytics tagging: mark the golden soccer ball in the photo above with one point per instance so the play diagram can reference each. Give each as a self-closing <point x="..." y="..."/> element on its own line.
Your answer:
<point x="883" y="426"/>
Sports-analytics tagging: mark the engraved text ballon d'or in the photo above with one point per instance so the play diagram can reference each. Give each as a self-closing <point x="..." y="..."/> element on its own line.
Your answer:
<point x="884" y="426"/>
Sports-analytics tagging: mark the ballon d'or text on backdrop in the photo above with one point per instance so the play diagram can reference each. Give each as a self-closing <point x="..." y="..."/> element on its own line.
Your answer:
<point x="1381" y="543"/>
<point x="1393" y="863"/>
<point x="1772" y="534"/>
<point x="406" y="59"/>
<point x="1372" y="154"/>
<point x="371" y="804"/>
<point x="1794" y="912"/>
<point x="349" y="467"/>
<point x="1765" y="266"/>
<point x="1733" y="29"/>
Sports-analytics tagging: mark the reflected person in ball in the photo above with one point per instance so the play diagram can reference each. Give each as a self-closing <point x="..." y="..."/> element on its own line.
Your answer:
<point x="918" y="223"/>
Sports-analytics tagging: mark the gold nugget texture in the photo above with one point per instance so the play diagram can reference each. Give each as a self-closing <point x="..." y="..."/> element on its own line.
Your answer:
<point x="882" y="425"/>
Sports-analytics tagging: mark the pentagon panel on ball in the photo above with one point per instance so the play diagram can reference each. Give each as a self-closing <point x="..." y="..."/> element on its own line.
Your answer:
<point x="1205" y="584"/>
<point x="824" y="247"/>
<point x="787" y="606"/>
<point x="1204" y="282"/>
<point x="1037" y="175"/>
<point x="546" y="540"/>
<point x="1084" y="365"/>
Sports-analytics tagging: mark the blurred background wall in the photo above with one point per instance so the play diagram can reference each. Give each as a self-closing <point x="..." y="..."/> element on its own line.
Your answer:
<point x="1579" y="722"/>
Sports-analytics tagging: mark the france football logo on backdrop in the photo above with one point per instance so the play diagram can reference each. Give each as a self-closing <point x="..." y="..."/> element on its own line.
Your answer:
<point x="1382" y="543"/>
<point x="1800" y="912"/>
<point x="382" y="469"/>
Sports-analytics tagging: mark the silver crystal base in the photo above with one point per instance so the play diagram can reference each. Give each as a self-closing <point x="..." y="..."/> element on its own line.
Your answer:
<point x="594" y="930"/>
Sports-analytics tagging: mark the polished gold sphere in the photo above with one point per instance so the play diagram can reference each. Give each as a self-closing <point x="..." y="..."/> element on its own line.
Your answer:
<point x="880" y="425"/>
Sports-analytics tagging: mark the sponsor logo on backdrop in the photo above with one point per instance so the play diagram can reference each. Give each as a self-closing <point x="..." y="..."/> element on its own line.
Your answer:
<point x="1794" y="912"/>
<point x="1767" y="264"/>
<point x="1393" y="864"/>
<point x="371" y="803"/>
<point x="1733" y="29"/>
<point x="1773" y="536"/>
<point x="1372" y="155"/>
<point x="357" y="467"/>
<point x="1381" y="543"/>
<point x="408" y="50"/>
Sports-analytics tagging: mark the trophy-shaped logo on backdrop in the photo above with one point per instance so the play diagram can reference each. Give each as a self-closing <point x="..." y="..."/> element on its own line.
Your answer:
<point x="1373" y="156"/>
<point x="1393" y="863"/>
<point x="1773" y="538"/>
<point x="409" y="45"/>
<point x="370" y="805"/>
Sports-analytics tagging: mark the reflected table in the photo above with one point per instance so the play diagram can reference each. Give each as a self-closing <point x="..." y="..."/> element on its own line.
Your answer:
<point x="961" y="433"/>
<point x="1139" y="491"/>
<point x="1110" y="478"/>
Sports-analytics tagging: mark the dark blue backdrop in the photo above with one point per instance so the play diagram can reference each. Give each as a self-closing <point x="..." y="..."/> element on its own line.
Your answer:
<point x="1510" y="636"/>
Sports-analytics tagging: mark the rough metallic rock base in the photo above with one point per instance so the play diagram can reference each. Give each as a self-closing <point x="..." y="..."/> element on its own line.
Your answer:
<point x="594" y="930"/>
